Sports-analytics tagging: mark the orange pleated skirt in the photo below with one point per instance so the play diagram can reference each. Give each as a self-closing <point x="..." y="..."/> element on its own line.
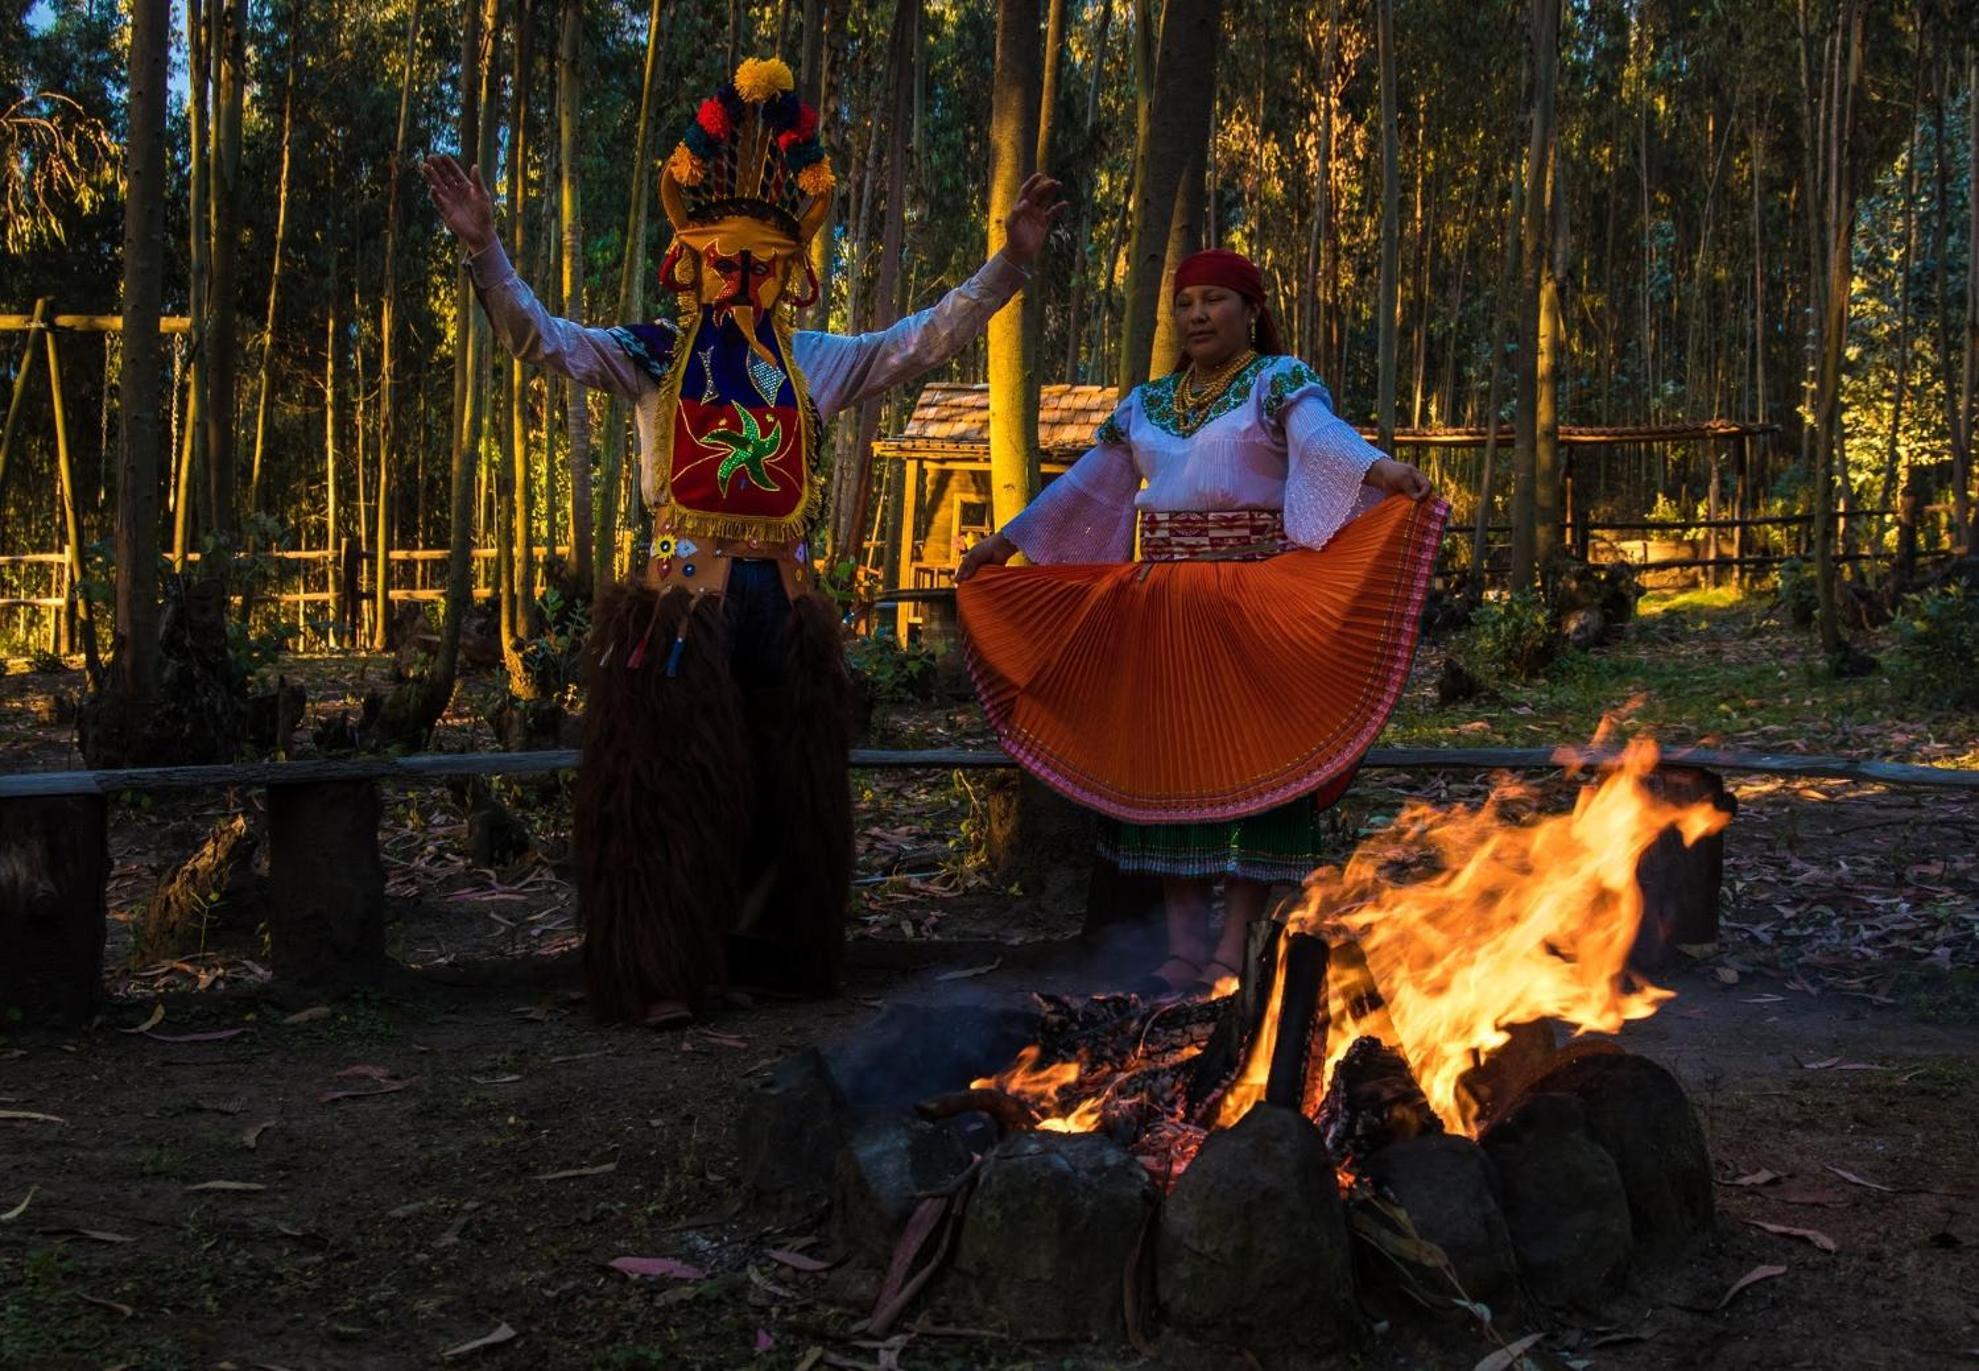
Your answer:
<point x="1181" y="691"/>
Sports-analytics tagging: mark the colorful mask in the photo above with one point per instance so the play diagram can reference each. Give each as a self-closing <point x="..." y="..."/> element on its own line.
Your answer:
<point x="745" y="190"/>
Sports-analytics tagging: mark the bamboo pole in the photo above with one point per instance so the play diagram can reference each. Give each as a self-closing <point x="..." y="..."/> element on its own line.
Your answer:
<point x="21" y="379"/>
<point x="64" y="466"/>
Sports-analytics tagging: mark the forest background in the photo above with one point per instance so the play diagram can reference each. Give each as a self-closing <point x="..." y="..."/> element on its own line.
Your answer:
<point x="1742" y="210"/>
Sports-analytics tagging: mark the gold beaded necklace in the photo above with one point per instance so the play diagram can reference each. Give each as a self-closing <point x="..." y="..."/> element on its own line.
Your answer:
<point x="1196" y="396"/>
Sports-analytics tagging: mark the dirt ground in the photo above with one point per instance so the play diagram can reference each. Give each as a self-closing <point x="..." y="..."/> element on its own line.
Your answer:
<point x="461" y="1150"/>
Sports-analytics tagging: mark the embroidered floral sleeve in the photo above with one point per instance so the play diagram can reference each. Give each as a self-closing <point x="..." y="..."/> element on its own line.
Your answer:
<point x="1087" y="514"/>
<point x="1326" y="459"/>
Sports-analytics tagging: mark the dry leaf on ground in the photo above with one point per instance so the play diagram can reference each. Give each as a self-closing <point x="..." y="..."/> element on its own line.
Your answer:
<point x="228" y="1185"/>
<point x="797" y="1261"/>
<point x="309" y="1015"/>
<point x="1508" y="1356"/>
<point x="251" y="1135"/>
<point x="575" y="1172"/>
<point x="1854" y="1179"/>
<point x="29" y="1116"/>
<point x="157" y="1017"/>
<point x="1752" y="1277"/>
<point x="503" y="1333"/>
<point x="1812" y="1235"/>
<point x="20" y="1208"/>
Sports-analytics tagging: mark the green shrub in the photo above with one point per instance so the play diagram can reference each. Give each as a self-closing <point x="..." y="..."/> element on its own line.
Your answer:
<point x="1508" y="640"/>
<point x="888" y="673"/>
<point x="1800" y="595"/>
<point x="1937" y="657"/>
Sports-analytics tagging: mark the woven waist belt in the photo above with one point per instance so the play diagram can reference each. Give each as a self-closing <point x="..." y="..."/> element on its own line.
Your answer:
<point x="1214" y="535"/>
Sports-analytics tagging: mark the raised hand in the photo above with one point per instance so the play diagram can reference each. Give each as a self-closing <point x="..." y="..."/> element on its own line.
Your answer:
<point x="1397" y="478"/>
<point x="1037" y="209"/>
<point x="462" y="199"/>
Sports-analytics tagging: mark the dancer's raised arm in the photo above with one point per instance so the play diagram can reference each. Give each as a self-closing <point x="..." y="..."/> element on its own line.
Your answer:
<point x="590" y="356"/>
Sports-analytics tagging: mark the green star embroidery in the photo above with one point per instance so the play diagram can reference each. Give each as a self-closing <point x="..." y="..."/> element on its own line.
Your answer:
<point x="748" y="450"/>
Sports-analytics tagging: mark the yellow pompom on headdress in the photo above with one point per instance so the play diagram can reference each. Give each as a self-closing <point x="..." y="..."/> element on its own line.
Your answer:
<point x="752" y="151"/>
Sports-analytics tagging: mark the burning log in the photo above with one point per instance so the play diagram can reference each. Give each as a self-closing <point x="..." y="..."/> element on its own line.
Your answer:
<point x="1007" y="1112"/>
<point x="1301" y="1025"/>
<point x="1372" y="1102"/>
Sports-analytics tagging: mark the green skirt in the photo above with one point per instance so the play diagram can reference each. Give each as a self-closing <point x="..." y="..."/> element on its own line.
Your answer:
<point x="1281" y="844"/>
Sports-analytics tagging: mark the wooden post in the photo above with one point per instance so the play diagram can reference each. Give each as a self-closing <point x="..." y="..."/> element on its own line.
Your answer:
<point x="1680" y="884"/>
<point x="1711" y="522"/>
<point x="73" y="603"/>
<point x="1038" y="839"/>
<point x="20" y="391"/>
<point x="1742" y="507"/>
<point x="326" y="882"/>
<point x="54" y="863"/>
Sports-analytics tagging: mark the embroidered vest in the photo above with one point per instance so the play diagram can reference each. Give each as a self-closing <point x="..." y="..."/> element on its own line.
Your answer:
<point x="737" y="435"/>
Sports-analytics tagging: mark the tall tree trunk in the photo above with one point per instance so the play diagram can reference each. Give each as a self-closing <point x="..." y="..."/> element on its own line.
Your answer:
<point x="331" y="520"/>
<point x="1185" y="221"/>
<point x="274" y="287"/>
<point x="1534" y="246"/>
<point x="1188" y="30"/>
<point x="228" y="21"/>
<point x="1315" y="286"/>
<point x="1083" y="235"/>
<point x="388" y="420"/>
<point x="577" y="567"/>
<point x="1387" y="298"/>
<point x="1548" y="472"/>
<point x="199" y="243"/>
<point x="631" y="279"/>
<point x="1504" y="311"/>
<point x="134" y="664"/>
<point x="1842" y="85"/>
<point x="1968" y="389"/>
<point x="521" y="589"/>
<point x="1900" y="392"/>
<point x="1013" y="420"/>
<point x="854" y="487"/>
<point x="477" y="62"/>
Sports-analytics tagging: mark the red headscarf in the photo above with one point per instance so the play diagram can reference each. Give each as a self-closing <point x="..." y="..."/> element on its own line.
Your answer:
<point x="1234" y="272"/>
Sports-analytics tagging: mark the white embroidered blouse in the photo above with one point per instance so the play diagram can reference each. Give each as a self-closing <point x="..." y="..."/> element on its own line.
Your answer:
<point x="1272" y="441"/>
<point x="839" y="369"/>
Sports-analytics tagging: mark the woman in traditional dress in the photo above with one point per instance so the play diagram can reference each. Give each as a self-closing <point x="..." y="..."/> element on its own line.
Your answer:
<point x="1211" y="701"/>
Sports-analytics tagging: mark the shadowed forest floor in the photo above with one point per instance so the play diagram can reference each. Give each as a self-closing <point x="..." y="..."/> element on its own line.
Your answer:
<point x="1834" y="1029"/>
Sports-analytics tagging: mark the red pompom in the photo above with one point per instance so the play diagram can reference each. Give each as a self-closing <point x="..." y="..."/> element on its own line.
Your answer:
<point x="803" y="131"/>
<point x="713" y="119"/>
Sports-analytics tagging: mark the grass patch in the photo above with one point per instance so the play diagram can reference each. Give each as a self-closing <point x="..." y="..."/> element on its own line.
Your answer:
<point x="1702" y="598"/>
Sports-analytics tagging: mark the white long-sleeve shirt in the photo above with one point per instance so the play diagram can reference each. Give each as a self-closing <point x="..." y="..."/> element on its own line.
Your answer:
<point x="1272" y="442"/>
<point x="839" y="369"/>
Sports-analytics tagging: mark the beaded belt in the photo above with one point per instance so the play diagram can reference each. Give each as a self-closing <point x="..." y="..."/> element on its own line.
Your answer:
<point x="1219" y="535"/>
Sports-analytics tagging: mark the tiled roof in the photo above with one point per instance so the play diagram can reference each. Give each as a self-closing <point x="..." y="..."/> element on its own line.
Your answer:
<point x="1067" y="415"/>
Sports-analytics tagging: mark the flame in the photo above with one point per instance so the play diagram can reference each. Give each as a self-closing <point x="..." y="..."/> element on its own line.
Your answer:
<point x="1040" y="1087"/>
<point x="1515" y="922"/>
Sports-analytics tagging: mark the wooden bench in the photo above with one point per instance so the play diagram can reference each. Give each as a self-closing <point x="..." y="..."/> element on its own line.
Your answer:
<point x="327" y="883"/>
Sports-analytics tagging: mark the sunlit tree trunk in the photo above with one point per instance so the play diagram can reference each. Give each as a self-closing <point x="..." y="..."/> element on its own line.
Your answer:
<point x="1387" y="300"/>
<point x="388" y="420"/>
<point x="631" y="279"/>
<point x="577" y="567"/>
<point x="1968" y="389"/>
<point x="1504" y="311"/>
<point x="1188" y="32"/>
<point x="1185" y="220"/>
<point x="1013" y="420"/>
<point x="192" y="461"/>
<point x="330" y="510"/>
<point x="227" y="24"/>
<point x="521" y="589"/>
<point x="1841" y="83"/>
<point x="1534" y="251"/>
<point x="274" y="287"/>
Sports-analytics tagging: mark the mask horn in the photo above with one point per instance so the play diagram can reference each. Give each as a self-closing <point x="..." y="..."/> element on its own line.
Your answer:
<point x="673" y="202"/>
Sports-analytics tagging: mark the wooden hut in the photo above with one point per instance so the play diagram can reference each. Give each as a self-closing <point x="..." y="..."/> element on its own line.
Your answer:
<point x="946" y="487"/>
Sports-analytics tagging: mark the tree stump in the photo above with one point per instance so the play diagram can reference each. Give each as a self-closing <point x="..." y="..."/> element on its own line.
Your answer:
<point x="326" y="881"/>
<point x="214" y="888"/>
<point x="1680" y="884"/>
<point x="54" y="861"/>
<point x="1038" y="839"/>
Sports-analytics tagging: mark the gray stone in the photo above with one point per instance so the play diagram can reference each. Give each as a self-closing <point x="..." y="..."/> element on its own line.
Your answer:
<point x="887" y="1165"/>
<point x="1641" y="1117"/>
<point x="1054" y="1222"/>
<point x="1253" y="1246"/>
<point x="1564" y="1203"/>
<point x="912" y="1051"/>
<point x="789" y="1132"/>
<point x="1449" y="1188"/>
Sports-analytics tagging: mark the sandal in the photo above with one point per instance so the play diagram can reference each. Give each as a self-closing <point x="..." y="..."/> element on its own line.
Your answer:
<point x="1215" y="970"/>
<point x="666" y="1014"/>
<point x="1156" y="986"/>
